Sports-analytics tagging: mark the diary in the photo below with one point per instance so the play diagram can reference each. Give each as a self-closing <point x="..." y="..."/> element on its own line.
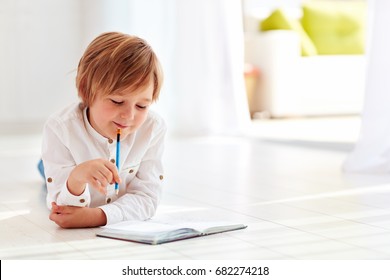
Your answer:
<point x="158" y="232"/>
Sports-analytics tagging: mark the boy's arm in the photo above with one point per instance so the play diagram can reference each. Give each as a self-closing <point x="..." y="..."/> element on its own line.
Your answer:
<point x="143" y="193"/>
<point x="58" y="164"/>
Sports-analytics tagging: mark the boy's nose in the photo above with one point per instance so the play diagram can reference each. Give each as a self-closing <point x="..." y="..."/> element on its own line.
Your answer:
<point x="127" y="114"/>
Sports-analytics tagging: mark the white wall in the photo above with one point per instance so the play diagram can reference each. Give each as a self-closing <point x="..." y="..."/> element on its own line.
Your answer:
<point x="41" y="42"/>
<point x="39" y="50"/>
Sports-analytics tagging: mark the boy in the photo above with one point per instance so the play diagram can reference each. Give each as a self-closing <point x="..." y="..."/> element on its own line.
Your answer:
<point x="118" y="78"/>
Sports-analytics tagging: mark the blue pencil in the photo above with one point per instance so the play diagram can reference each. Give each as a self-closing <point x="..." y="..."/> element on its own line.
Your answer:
<point x="118" y="151"/>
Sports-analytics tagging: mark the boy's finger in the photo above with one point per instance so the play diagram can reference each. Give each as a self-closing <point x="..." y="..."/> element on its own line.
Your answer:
<point x="96" y="184"/>
<point x="54" y="207"/>
<point x="114" y="172"/>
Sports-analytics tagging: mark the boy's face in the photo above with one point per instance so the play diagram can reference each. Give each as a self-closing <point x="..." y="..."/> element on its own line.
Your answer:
<point x="127" y="111"/>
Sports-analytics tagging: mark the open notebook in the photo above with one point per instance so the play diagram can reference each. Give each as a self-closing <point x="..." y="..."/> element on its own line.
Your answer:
<point x="157" y="231"/>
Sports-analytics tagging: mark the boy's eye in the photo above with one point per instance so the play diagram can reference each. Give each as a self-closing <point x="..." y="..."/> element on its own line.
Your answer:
<point x="116" y="102"/>
<point x="142" y="106"/>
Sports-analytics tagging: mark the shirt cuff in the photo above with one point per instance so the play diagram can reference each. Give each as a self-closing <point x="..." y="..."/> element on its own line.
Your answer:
<point x="113" y="213"/>
<point x="66" y="198"/>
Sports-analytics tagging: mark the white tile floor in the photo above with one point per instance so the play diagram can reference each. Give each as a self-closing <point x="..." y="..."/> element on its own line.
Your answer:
<point x="284" y="180"/>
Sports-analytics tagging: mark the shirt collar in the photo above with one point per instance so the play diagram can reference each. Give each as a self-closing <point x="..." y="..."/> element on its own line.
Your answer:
<point x="96" y="135"/>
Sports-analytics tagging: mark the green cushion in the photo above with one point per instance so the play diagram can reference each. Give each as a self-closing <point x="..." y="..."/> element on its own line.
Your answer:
<point x="279" y="20"/>
<point x="335" y="27"/>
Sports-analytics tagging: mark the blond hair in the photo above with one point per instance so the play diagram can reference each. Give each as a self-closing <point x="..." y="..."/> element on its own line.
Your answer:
<point x="115" y="61"/>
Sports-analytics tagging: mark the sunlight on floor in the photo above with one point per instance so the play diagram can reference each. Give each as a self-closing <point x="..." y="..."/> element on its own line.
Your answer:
<point x="9" y="214"/>
<point x="343" y="129"/>
<point x="383" y="189"/>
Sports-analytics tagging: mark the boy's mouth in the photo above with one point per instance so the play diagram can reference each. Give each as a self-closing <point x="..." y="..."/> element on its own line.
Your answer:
<point x="120" y="125"/>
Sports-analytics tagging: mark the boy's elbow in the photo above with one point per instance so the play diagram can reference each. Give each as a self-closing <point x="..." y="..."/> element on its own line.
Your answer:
<point x="152" y="207"/>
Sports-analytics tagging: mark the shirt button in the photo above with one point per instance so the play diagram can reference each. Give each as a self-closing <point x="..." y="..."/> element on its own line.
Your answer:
<point x="82" y="200"/>
<point x="108" y="200"/>
<point x="112" y="160"/>
<point x="161" y="177"/>
<point x="49" y="180"/>
<point x="110" y="141"/>
<point x="131" y="171"/>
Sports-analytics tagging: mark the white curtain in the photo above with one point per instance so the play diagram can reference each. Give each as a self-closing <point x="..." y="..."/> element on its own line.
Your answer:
<point x="200" y="44"/>
<point x="372" y="151"/>
<point x="208" y="68"/>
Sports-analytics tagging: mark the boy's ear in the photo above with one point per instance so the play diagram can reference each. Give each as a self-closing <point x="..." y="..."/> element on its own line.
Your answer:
<point x="82" y="90"/>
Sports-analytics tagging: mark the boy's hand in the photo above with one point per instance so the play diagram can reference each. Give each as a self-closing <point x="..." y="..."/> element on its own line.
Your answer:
<point x="77" y="217"/>
<point x="98" y="173"/>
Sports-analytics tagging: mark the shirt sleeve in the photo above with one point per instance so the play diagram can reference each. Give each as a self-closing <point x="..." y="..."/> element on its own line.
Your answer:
<point x="58" y="163"/>
<point x="143" y="193"/>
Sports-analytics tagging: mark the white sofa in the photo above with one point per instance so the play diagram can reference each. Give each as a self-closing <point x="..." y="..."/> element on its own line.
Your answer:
<point x="293" y="85"/>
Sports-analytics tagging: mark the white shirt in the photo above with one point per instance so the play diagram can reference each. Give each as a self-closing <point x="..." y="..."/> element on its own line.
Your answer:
<point x="69" y="139"/>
